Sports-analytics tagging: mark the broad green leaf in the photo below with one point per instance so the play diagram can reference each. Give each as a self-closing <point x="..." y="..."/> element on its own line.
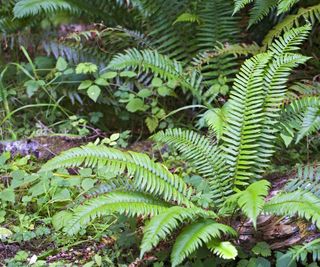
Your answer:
<point x="5" y="233"/>
<point x="61" y="219"/>
<point x="164" y="91"/>
<point x="61" y="64"/>
<point x="144" y="93"/>
<point x="135" y="104"/>
<point x="87" y="184"/>
<point x="94" y="92"/>
<point x="152" y="123"/>
<point x="62" y="195"/>
<point x="85" y="84"/>
<point x="156" y="82"/>
<point x="127" y="73"/>
<point x="109" y="75"/>
<point x="101" y="81"/>
<point x="7" y="195"/>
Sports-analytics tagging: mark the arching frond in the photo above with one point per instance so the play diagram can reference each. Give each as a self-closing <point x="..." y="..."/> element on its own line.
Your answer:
<point x="255" y="100"/>
<point x="24" y="8"/>
<point x="307" y="179"/>
<point x="165" y="223"/>
<point x="301" y="203"/>
<point x="159" y="65"/>
<point x="239" y="4"/>
<point x="286" y="5"/>
<point x="195" y="235"/>
<point x="129" y="203"/>
<point x="260" y="10"/>
<point x="251" y="200"/>
<point x="223" y="249"/>
<point x="310" y="14"/>
<point x="149" y="176"/>
<point x="203" y="155"/>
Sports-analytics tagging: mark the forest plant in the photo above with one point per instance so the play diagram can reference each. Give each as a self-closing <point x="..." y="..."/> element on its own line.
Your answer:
<point x="233" y="167"/>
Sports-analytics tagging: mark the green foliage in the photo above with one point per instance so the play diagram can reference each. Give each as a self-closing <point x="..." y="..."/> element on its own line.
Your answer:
<point x="251" y="200"/>
<point x="194" y="235"/>
<point x="149" y="176"/>
<point x="307" y="179"/>
<point x="24" y="8"/>
<point x="301" y="203"/>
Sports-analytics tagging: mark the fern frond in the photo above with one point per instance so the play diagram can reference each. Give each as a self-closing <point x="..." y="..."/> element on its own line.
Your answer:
<point x="160" y="65"/>
<point x="301" y="203"/>
<point x="307" y="179"/>
<point x="238" y="49"/>
<point x="25" y="8"/>
<point x="286" y="5"/>
<point x="301" y="116"/>
<point x="162" y="225"/>
<point x="255" y="100"/>
<point x="300" y="252"/>
<point x="128" y="203"/>
<point x="195" y="235"/>
<point x="310" y="123"/>
<point x="223" y="249"/>
<point x="205" y="157"/>
<point x="149" y="176"/>
<point x="239" y="4"/>
<point x="311" y="14"/>
<point x="251" y="200"/>
<point x="261" y="9"/>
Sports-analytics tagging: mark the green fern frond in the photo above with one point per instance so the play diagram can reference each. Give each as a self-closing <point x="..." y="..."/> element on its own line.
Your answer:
<point x="238" y="49"/>
<point x="25" y="8"/>
<point x="195" y="148"/>
<point x="160" y="65"/>
<point x="311" y="14"/>
<point x="239" y="4"/>
<point x="149" y="176"/>
<point x="252" y="199"/>
<point x="302" y="117"/>
<point x="223" y="249"/>
<point x="261" y="9"/>
<point x="301" y="252"/>
<point x="195" y="235"/>
<point x="310" y="123"/>
<point x="301" y="203"/>
<point x="162" y="225"/>
<point x="205" y="157"/>
<point x="128" y="203"/>
<point x="187" y="17"/>
<point x="286" y="5"/>
<point x="255" y="100"/>
<point x="307" y="179"/>
<point x="217" y="119"/>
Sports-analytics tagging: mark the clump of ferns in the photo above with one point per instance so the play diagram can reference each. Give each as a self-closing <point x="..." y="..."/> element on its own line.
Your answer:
<point x="233" y="167"/>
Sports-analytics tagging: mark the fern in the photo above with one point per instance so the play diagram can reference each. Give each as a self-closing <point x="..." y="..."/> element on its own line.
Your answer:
<point x="160" y="65"/>
<point x="195" y="235"/>
<point x="257" y="93"/>
<point x="307" y="179"/>
<point x="25" y="8"/>
<point x="149" y="176"/>
<point x="301" y="203"/>
<point x="286" y="5"/>
<point x="302" y="117"/>
<point x="311" y="14"/>
<point x="162" y="225"/>
<point x="251" y="200"/>
<point x="205" y="158"/>
<point x="261" y="9"/>
<point x="223" y="249"/>
<point x="128" y="203"/>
